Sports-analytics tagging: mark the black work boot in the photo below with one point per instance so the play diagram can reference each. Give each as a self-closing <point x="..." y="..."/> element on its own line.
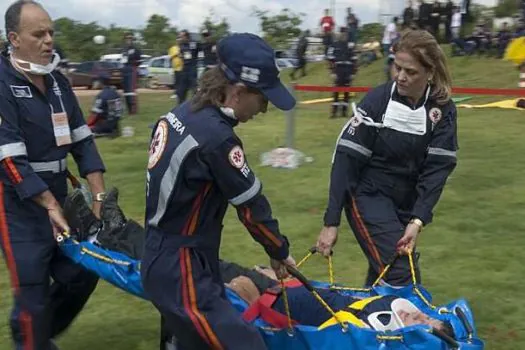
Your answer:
<point x="79" y="216"/>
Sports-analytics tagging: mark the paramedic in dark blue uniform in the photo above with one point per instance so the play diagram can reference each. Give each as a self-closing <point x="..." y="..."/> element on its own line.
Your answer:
<point x="41" y="122"/>
<point x="392" y="159"/>
<point x="106" y="111"/>
<point x="344" y="65"/>
<point x="131" y="61"/>
<point x="189" y="50"/>
<point x="209" y="50"/>
<point x="196" y="167"/>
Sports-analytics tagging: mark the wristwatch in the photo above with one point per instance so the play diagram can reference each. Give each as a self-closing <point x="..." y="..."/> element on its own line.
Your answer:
<point x="417" y="222"/>
<point x="99" y="197"/>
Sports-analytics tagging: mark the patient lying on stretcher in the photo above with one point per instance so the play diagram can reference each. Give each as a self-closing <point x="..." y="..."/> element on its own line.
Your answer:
<point x="382" y="313"/>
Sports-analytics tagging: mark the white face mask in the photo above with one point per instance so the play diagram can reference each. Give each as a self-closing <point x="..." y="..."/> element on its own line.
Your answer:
<point x="34" y="68"/>
<point x="229" y="112"/>
<point x="402" y="118"/>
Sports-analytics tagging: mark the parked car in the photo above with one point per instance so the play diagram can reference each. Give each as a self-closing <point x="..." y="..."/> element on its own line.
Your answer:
<point x="159" y="72"/>
<point x="87" y="73"/>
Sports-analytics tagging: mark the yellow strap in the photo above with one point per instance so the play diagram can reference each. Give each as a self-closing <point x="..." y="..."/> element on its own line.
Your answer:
<point x="381" y="275"/>
<point x="343" y="316"/>
<point x="331" y="271"/>
<point x="348" y="317"/>
<point x="287" y="307"/>
<point x="303" y="260"/>
<point x="361" y="304"/>
<point x="101" y="257"/>
<point x="414" y="282"/>
<point x="389" y="337"/>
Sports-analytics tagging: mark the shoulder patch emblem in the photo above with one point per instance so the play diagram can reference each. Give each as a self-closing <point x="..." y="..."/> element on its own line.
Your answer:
<point x="21" y="91"/>
<point x="435" y="115"/>
<point x="236" y="157"/>
<point x="158" y="143"/>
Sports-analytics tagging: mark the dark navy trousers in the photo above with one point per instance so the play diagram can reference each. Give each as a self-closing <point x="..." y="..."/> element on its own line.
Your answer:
<point x="185" y="286"/>
<point x="42" y="310"/>
<point x="378" y="224"/>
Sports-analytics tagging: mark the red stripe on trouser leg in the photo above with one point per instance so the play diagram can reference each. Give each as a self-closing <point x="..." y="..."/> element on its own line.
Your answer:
<point x="186" y="298"/>
<point x="215" y="344"/>
<point x="366" y="235"/>
<point x="24" y="317"/>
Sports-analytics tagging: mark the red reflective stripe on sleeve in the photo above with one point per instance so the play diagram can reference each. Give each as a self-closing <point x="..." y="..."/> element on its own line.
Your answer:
<point x="11" y="170"/>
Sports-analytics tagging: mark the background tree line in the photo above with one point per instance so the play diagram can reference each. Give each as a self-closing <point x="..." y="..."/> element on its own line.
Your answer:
<point x="76" y="38"/>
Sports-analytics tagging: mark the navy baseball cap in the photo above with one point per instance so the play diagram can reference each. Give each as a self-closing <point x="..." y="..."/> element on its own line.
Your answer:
<point x="248" y="59"/>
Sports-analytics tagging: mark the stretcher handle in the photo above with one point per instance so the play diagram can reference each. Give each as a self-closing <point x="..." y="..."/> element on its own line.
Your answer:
<point x="313" y="251"/>
<point x="295" y="273"/>
<point x="463" y="318"/>
<point x="445" y="337"/>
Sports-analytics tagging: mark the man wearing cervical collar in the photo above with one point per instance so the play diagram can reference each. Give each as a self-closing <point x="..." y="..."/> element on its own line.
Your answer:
<point x="382" y="313"/>
<point x="393" y="157"/>
<point x="40" y="123"/>
<point x="197" y="166"/>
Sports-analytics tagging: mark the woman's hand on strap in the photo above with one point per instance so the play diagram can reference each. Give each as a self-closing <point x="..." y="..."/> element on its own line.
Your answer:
<point x="327" y="240"/>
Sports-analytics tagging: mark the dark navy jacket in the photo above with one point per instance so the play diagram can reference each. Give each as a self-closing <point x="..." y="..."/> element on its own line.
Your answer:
<point x="209" y="52"/>
<point x="341" y="54"/>
<point x="28" y="149"/>
<point x="108" y="105"/>
<point x="409" y="169"/>
<point x="196" y="167"/>
<point x="190" y="54"/>
<point x="133" y="55"/>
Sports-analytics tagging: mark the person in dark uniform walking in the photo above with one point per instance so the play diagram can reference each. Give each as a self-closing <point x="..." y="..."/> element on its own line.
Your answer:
<point x="435" y="18"/>
<point x="423" y="15"/>
<point x="40" y="123"/>
<point x="189" y="50"/>
<point x="196" y="167"/>
<point x="393" y="158"/>
<point x="300" y="53"/>
<point x="209" y="50"/>
<point x="408" y="16"/>
<point x="131" y="59"/>
<point x="448" y="11"/>
<point x="344" y="65"/>
<point x="106" y="111"/>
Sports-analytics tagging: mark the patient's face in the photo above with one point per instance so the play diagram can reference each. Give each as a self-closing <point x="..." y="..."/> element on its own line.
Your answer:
<point x="417" y="317"/>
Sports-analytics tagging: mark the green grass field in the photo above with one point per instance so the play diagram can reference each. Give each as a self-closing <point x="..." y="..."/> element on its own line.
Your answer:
<point x="473" y="250"/>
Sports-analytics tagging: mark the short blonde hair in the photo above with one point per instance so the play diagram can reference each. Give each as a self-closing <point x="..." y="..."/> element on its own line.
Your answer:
<point x="423" y="46"/>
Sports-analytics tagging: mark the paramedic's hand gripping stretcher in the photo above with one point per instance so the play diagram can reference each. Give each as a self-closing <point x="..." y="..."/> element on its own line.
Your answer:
<point x="292" y="304"/>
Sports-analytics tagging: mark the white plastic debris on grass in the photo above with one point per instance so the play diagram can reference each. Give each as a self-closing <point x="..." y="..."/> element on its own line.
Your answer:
<point x="287" y="158"/>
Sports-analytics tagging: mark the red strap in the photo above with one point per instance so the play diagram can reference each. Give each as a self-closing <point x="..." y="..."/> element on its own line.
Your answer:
<point x="92" y="120"/>
<point x="263" y="307"/>
<point x="265" y="301"/>
<point x="293" y="283"/>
